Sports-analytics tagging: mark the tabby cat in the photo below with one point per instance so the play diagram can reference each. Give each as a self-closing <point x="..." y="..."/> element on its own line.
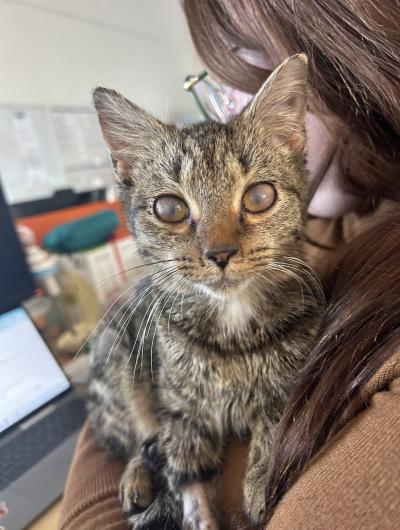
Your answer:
<point x="208" y="346"/>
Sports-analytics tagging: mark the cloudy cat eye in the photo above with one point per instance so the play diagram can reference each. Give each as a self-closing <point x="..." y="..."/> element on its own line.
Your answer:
<point x="171" y="209"/>
<point x="259" y="197"/>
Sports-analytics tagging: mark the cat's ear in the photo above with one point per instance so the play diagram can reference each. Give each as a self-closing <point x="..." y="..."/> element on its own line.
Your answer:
<point x="278" y="109"/>
<point x="127" y="129"/>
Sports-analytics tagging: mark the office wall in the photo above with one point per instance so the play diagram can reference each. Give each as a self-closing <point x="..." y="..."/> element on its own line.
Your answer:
<point x="53" y="52"/>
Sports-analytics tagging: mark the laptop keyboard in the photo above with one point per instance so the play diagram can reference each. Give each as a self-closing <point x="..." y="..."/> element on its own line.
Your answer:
<point x="29" y="446"/>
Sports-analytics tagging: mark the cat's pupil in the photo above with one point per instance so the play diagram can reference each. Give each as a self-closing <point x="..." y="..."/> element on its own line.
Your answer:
<point x="171" y="209"/>
<point x="259" y="197"/>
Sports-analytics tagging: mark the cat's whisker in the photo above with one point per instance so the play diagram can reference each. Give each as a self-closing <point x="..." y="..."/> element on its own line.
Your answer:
<point x="149" y="322"/>
<point x="274" y="284"/>
<point x="279" y="267"/>
<point x="166" y="275"/>
<point x="130" y="287"/>
<point x="175" y="287"/>
<point x="301" y="271"/>
<point x="183" y="298"/>
<point x="130" y="269"/>
<point x="170" y="312"/>
<point x="308" y="271"/>
<point x="151" y="310"/>
<point x="126" y="316"/>
<point x="125" y="324"/>
<point x="147" y="326"/>
<point x="307" y="284"/>
<point x="145" y="294"/>
<point x="164" y="281"/>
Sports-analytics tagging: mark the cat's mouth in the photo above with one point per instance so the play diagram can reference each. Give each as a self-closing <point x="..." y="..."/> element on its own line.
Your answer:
<point x="224" y="284"/>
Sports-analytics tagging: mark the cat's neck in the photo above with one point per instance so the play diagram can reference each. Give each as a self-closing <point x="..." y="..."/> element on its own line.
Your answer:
<point x="233" y="312"/>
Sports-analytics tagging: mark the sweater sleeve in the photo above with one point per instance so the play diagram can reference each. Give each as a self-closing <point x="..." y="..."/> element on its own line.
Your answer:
<point x="91" y="494"/>
<point x="354" y="482"/>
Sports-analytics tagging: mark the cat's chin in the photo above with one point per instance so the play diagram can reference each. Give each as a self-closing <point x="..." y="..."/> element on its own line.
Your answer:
<point x="223" y="287"/>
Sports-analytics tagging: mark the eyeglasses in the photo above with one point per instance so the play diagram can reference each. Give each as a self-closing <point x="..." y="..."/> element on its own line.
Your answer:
<point x="215" y="101"/>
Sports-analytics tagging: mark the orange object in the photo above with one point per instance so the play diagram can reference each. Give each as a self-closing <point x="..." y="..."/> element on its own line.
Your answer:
<point x="42" y="224"/>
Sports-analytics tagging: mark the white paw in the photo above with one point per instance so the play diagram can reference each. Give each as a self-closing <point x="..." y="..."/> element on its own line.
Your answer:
<point x="197" y="507"/>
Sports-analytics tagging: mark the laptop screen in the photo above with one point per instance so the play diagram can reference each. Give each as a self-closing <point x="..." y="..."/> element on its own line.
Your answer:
<point x="29" y="375"/>
<point x="16" y="282"/>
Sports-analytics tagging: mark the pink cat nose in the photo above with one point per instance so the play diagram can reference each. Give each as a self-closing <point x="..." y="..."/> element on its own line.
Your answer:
<point x="221" y="255"/>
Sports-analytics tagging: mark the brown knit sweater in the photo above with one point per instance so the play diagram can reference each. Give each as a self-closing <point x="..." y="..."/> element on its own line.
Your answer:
<point x="353" y="483"/>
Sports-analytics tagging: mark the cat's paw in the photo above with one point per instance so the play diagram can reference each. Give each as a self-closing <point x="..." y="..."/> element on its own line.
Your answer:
<point x="200" y="524"/>
<point x="254" y="495"/>
<point x="163" y="513"/>
<point x="151" y="454"/>
<point x="136" y="488"/>
<point x="199" y="507"/>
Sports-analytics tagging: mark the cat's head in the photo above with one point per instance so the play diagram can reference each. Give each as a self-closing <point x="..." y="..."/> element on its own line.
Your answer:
<point x="219" y="203"/>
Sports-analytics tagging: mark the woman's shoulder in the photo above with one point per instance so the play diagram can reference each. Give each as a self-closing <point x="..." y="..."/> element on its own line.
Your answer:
<point x="383" y="379"/>
<point x="354" y="480"/>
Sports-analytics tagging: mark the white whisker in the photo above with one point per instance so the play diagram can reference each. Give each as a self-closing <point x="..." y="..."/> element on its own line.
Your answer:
<point x="121" y="331"/>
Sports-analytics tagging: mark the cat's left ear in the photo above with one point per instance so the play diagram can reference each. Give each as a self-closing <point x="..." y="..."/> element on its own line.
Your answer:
<point x="128" y="130"/>
<point x="278" y="109"/>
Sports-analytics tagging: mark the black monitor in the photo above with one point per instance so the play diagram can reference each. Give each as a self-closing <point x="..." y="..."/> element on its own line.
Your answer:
<point x="16" y="282"/>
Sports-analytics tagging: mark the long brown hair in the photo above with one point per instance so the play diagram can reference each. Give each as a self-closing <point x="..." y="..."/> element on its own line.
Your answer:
<point x="354" y="57"/>
<point x="360" y="330"/>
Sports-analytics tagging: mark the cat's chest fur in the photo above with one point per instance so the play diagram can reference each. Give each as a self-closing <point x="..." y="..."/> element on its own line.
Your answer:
<point x="225" y="361"/>
<point x="233" y="315"/>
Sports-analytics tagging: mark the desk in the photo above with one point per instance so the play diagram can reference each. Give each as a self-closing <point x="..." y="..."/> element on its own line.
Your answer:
<point x="49" y="520"/>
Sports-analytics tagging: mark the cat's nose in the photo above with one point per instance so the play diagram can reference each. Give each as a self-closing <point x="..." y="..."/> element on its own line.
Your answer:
<point x="221" y="255"/>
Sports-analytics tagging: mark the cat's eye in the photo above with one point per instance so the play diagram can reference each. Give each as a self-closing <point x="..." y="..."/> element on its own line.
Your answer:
<point x="259" y="197"/>
<point x="171" y="209"/>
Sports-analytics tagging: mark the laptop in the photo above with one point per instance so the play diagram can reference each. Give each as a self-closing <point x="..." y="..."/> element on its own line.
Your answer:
<point x="40" y="419"/>
<point x="40" y="413"/>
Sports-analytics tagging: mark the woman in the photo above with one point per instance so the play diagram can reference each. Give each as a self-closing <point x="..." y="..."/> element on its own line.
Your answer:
<point x="335" y="462"/>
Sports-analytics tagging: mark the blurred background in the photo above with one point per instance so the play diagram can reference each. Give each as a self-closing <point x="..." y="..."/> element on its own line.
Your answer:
<point x="52" y="54"/>
<point x="65" y="253"/>
<point x="54" y="168"/>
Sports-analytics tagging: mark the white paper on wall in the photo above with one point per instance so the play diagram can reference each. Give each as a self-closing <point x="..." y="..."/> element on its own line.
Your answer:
<point x="83" y="154"/>
<point x="28" y="166"/>
<point x="43" y="150"/>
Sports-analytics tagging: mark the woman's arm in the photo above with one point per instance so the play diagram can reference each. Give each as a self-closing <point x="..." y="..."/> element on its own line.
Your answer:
<point x="354" y="481"/>
<point x="91" y="495"/>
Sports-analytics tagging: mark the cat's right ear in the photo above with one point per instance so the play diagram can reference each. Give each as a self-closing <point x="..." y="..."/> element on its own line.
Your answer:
<point x="127" y="129"/>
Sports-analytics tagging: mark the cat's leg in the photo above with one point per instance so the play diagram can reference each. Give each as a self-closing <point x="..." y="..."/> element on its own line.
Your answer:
<point x="199" y="506"/>
<point x="136" y="488"/>
<point x="256" y="472"/>
<point x="193" y="452"/>
<point x="116" y="431"/>
<point x="161" y="509"/>
<point x="165" y="512"/>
